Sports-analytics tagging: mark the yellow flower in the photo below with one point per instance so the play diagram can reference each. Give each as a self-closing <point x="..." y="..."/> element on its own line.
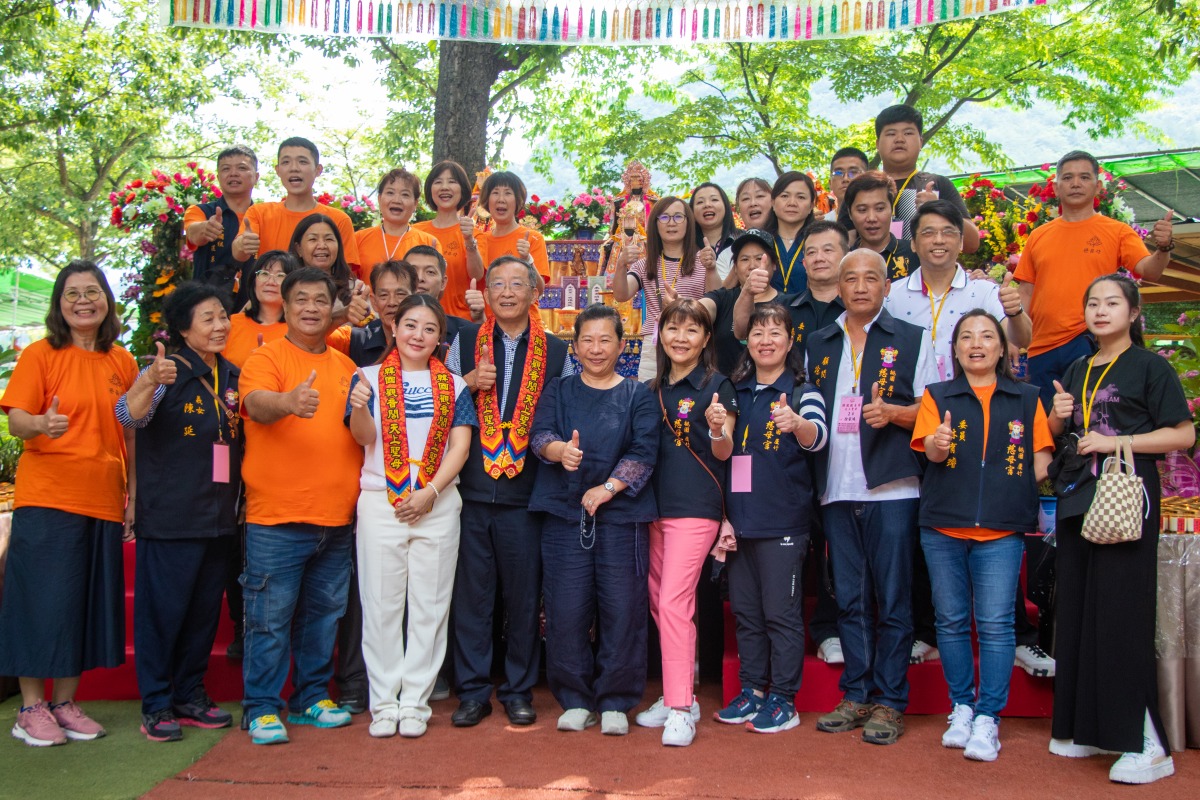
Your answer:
<point x="164" y="291"/>
<point x="156" y="317"/>
<point x="166" y="276"/>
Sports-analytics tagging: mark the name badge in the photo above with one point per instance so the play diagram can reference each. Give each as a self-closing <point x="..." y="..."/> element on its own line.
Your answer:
<point x="739" y="474"/>
<point x="898" y="228"/>
<point x="941" y="368"/>
<point x="849" y="413"/>
<point x="220" y="462"/>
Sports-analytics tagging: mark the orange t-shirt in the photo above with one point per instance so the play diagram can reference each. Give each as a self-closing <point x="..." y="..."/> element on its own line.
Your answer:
<point x="275" y="225"/>
<point x="1060" y="259"/>
<point x="928" y="420"/>
<point x="339" y="339"/>
<point x="300" y="470"/>
<point x="195" y="214"/>
<point x="372" y="249"/>
<point x="454" y="249"/>
<point x="83" y="471"/>
<point x="492" y="247"/>
<point x="243" y="337"/>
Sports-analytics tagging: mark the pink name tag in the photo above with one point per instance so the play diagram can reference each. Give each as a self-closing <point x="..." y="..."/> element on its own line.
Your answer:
<point x="849" y="413"/>
<point x="898" y="228"/>
<point x="220" y="462"/>
<point x="739" y="474"/>
<point x="941" y="368"/>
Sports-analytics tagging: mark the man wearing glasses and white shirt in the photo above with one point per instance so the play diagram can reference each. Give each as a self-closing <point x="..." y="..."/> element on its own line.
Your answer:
<point x="848" y="163"/>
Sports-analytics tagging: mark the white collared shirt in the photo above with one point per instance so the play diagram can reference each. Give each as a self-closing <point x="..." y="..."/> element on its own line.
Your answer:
<point x="847" y="478"/>
<point x="908" y="301"/>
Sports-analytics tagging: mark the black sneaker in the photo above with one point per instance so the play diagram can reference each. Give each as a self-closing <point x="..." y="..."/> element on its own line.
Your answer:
<point x="161" y="726"/>
<point x="236" y="649"/>
<point x="202" y="712"/>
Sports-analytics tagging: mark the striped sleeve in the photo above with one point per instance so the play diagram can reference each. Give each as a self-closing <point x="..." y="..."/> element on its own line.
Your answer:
<point x="812" y="408"/>
<point x="122" y="409"/>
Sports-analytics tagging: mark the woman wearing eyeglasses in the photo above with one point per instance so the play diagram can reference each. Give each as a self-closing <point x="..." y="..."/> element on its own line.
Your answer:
<point x="668" y="268"/>
<point x="63" y="606"/>
<point x="262" y="321"/>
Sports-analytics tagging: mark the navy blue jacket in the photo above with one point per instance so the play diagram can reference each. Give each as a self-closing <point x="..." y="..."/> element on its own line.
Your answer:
<point x="213" y="263"/>
<point x="971" y="488"/>
<point x="887" y="453"/>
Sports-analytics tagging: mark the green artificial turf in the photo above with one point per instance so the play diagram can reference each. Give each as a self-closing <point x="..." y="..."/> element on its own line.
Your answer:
<point x="123" y="764"/>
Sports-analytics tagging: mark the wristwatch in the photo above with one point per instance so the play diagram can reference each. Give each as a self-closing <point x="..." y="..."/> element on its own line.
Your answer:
<point x="612" y="488"/>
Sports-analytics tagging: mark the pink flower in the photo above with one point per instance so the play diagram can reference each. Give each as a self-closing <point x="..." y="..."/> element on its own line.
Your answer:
<point x="1183" y="318"/>
<point x="358" y="209"/>
<point x="191" y="165"/>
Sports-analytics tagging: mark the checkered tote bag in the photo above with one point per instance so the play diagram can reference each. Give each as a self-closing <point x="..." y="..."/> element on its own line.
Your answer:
<point x="1116" y="512"/>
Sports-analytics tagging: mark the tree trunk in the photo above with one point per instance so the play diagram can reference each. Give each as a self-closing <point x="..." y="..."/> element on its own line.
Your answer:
<point x="466" y="72"/>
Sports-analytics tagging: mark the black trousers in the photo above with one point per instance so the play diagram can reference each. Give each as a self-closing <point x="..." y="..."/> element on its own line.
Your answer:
<point x="350" y="668"/>
<point x="235" y="565"/>
<point x="499" y="547"/>
<point x="823" y="623"/>
<point x="177" y="606"/>
<point x="767" y="604"/>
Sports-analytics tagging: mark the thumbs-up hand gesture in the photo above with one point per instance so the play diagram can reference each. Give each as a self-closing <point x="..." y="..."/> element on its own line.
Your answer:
<point x="485" y="371"/>
<point x="475" y="301"/>
<point x="467" y="226"/>
<point x="214" y="227"/>
<point x="757" y="281"/>
<point x="715" y="416"/>
<point x="572" y="456"/>
<point x="1161" y="234"/>
<point x="54" y="424"/>
<point x="943" y="437"/>
<point x="876" y="413"/>
<point x="1063" y="405"/>
<point x="928" y="194"/>
<point x="1010" y="296"/>
<point x="360" y="395"/>
<point x="633" y="251"/>
<point x="523" y="245"/>
<point x="246" y="244"/>
<point x="359" y="310"/>
<point x="305" y="399"/>
<point x="707" y="256"/>
<point x="162" y="369"/>
<point x="786" y="420"/>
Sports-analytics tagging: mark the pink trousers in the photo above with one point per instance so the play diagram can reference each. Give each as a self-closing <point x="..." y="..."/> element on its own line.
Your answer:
<point x="677" y="550"/>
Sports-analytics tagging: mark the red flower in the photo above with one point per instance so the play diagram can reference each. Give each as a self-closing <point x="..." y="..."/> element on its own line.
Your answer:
<point x="1031" y="217"/>
<point x="1022" y="229"/>
<point x="191" y="165"/>
<point x="969" y="193"/>
<point x="136" y="184"/>
<point x="1013" y="247"/>
<point x="116" y="216"/>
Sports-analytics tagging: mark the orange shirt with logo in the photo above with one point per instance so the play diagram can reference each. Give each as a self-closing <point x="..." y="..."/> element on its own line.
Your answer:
<point x="454" y="250"/>
<point x="929" y="418"/>
<point x="83" y="471"/>
<point x="275" y="224"/>
<point x="376" y="247"/>
<point x="243" y="337"/>
<point x="300" y="470"/>
<point x="1060" y="259"/>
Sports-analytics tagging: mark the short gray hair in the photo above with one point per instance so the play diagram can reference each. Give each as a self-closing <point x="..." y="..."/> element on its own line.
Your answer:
<point x="504" y="261"/>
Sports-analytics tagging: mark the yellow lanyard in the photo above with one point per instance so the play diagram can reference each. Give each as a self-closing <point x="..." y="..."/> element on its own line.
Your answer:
<point x="662" y="271"/>
<point x="855" y="361"/>
<point x="903" y="186"/>
<point x="787" y="273"/>
<point x="1085" y="401"/>
<point x="935" y="312"/>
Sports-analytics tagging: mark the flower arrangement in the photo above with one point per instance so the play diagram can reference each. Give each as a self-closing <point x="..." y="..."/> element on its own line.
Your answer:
<point x="360" y="210"/>
<point x="545" y="216"/>
<point x="1108" y="200"/>
<point x="1004" y="226"/>
<point x="1186" y="358"/>
<point x="153" y="209"/>
<point x="590" y="210"/>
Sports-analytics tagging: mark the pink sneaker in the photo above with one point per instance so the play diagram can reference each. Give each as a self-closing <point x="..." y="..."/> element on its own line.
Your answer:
<point x="37" y="727"/>
<point x="76" y="724"/>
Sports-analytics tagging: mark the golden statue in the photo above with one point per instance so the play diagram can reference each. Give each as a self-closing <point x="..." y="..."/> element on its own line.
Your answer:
<point x="629" y="213"/>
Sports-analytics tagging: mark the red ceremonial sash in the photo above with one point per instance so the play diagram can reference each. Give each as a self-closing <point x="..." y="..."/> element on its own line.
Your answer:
<point x="397" y="465"/>
<point x="504" y="444"/>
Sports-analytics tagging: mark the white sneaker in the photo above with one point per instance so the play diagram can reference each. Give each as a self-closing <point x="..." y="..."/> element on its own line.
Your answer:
<point x="1068" y="749"/>
<point x="959" y="732"/>
<point x="383" y="726"/>
<point x="576" y="719"/>
<point x="679" y="729"/>
<point x="614" y="723"/>
<point x="1144" y="767"/>
<point x="984" y="744"/>
<point x="830" y="651"/>
<point x="922" y="652"/>
<point x="656" y="715"/>
<point x="1034" y="660"/>
<point x="412" y="727"/>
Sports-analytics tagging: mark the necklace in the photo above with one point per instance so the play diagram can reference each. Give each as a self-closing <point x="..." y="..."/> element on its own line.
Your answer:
<point x="391" y="251"/>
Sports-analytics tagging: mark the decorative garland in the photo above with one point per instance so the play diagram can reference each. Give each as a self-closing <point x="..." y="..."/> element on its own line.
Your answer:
<point x="594" y="22"/>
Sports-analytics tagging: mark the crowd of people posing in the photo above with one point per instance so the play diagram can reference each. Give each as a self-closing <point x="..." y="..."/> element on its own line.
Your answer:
<point x="367" y="429"/>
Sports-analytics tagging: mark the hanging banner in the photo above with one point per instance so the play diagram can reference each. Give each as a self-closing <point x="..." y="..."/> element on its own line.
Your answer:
<point x="590" y="22"/>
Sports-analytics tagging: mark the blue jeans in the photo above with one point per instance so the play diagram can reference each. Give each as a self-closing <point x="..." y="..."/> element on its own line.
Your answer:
<point x="871" y="546"/>
<point x="967" y="573"/>
<point x="1050" y="366"/>
<point x="295" y="586"/>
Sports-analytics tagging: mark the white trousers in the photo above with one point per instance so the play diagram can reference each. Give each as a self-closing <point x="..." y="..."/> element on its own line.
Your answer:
<point x="399" y="564"/>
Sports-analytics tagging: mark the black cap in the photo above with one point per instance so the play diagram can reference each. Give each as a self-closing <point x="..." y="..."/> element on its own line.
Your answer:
<point x="759" y="237"/>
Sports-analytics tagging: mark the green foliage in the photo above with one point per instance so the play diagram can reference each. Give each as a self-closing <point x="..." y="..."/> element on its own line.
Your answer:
<point x="11" y="448"/>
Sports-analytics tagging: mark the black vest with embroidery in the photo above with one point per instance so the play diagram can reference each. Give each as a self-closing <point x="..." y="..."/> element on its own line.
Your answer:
<point x="213" y="263"/>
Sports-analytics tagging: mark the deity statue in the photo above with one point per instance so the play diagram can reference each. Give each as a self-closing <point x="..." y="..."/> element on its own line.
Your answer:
<point x="629" y="212"/>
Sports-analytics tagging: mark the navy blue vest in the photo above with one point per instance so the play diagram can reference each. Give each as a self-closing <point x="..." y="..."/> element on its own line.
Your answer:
<point x="213" y="263"/>
<point x="887" y="454"/>
<point x="995" y="490"/>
